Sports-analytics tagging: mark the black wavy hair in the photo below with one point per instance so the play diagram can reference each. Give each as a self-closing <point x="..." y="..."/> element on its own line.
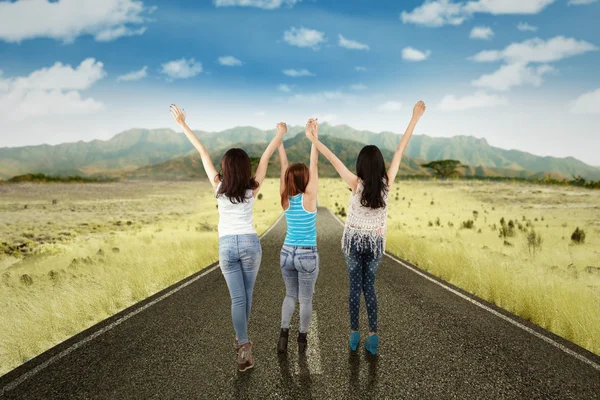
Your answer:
<point x="236" y="176"/>
<point x="370" y="168"/>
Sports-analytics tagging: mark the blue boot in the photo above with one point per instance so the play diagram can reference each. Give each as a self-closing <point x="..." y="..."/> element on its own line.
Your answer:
<point x="372" y="343"/>
<point x="354" y="340"/>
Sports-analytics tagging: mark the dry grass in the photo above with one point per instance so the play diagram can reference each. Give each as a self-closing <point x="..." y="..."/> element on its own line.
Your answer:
<point x="72" y="276"/>
<point x="556" y="286"/>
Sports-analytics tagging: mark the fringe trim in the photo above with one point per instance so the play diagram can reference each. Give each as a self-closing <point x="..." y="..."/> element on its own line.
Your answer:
<point x="372" y="240"/>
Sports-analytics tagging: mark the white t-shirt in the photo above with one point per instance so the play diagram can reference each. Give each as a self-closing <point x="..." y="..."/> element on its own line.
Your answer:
<point x="235" y="219"/>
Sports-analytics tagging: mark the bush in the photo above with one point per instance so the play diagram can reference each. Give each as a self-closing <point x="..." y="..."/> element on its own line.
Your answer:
<point x="260" y="196"/>
<point x="468" y="224"/>
<point x="534" y="242"/>
<point x="26" y="280"/>
<point x="506" y="230"/>
<point x="578" y="237"/>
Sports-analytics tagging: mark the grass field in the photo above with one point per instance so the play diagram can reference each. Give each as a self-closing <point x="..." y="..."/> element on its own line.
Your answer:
<point x="75" y="254"/>
<point x="453" y="230"/>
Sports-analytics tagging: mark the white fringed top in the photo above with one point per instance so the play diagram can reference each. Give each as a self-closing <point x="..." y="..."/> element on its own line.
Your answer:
<point x="369" y="225"/>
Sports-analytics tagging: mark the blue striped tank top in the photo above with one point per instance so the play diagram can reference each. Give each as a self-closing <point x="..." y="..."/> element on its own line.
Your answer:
<point x="301" y="224"/>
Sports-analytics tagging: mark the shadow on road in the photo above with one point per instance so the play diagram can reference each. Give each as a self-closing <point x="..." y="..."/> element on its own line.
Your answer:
<point x="354" y="386"/>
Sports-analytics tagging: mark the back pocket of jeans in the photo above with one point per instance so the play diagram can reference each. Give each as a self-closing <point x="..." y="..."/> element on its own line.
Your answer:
<point x="308" y="263"/>
<point x="283" y="256"/>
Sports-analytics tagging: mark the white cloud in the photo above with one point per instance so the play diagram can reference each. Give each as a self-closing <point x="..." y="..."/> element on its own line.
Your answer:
<point x="435" y="13"/>
<point x="229" y="61"/>
<point x="260" y="113"/>
<point x="303" y="37"/>
<point x="581" y="2"/>
<point x="134" y="75"/>
<point x="66" y="20"/>
<point x="182" y="68"/>
<point x="525" y="27"/>
<point x="510" y="75"/>
<point x="412" y="54"/>
<point x="284" y="88"/>
<point x="587" y="103"/>
<point x="481" y="32"/>
<point x="537" y="50"/>
<point x="360" y="69"/>
<point x="507" y="6"/>
<point x="295" y="73"/>
<point x="351" y="44"/>
<point x="264" y="4"/>
<point x="112" y="34"/>
<point x="358" y="86"/>
<point x="390" y="106"/>
<point x="518" y="56"/>
<point x="321" y="97"/>
<point x="51" y="91"/>
<point x="476" y="100"/>
<point x="61" y="77"/>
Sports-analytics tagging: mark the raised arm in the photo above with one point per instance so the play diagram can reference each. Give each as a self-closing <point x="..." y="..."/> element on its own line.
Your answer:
<point x="313" y="180"/>
<point x="209" y="167"/>
<point x="418" y="111"/>
<point x="284" y="166"/>
<point x="348" y="177"/>
<point x="261" y="171"/>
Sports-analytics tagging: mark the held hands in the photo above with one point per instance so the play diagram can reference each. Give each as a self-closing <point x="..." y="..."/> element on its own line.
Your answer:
<point x="281" y="128"/>
<point x="418" y="110"/>
<point x="312" y="130"/>
<point x="178" y="115"/>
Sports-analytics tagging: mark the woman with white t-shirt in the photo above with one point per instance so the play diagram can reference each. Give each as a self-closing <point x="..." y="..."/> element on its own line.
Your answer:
<point x="239" y="246"/>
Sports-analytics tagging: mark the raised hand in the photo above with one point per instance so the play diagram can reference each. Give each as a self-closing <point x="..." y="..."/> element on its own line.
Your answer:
<point x="178" y="115"/>
<point x="281" y="128"/>
<point x="314" y="127"/>
<point x="419" y="110"/>
<point x="312" y="130"/>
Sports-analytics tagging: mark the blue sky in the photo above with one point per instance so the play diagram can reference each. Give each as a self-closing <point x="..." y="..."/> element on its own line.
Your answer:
<point x="522" y="74"/>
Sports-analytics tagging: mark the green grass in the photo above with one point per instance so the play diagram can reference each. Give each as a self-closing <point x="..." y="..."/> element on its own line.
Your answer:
<point x="59" y="287"/>
<point x="552" y="286"/>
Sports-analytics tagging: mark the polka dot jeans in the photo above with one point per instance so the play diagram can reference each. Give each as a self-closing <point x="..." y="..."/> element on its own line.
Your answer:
<point x="362" y="268"/>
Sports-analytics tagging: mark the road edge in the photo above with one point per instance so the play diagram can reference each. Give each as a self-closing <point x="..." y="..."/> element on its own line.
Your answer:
<point x="20" y="374"/>
<point x="551" y="338"/>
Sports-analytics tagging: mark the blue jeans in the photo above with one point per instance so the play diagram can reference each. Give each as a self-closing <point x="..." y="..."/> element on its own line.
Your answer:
<point x="239" y="259"/>
<point x="362" y="269"/>
<point x="300" y="268"/>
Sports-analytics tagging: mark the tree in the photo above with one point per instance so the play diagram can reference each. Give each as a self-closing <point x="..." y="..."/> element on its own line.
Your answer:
<point x="444" y="168"/>
<point x="578" y="180"/>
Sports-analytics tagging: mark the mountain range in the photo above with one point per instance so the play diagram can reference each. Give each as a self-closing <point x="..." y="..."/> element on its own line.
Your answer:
<point x="164" y="153"/>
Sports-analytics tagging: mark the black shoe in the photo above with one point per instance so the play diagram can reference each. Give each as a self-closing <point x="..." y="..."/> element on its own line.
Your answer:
<point x="302" y="342"/>
<point x="283" y="341"/>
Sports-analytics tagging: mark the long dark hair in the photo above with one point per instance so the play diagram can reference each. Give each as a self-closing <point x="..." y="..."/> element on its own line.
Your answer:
<point x="236" y="176"/>
<point x="370" y="168"/>
<point x="295" y="181"/>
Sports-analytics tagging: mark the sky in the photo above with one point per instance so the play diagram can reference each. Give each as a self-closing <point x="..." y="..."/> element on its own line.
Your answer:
<point x="522" y="74"/>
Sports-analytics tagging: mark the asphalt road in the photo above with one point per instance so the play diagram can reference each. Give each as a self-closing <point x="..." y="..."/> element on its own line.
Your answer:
<point x="435" y="344"/>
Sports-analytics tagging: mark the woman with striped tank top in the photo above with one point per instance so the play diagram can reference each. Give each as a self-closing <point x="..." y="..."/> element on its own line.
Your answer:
<point x="363" y="241"/>
<point x="299" y="258"/>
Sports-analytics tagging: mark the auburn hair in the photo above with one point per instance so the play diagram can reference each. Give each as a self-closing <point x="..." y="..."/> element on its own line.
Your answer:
<point x="370" y="168"/>
<point x="236" y="176"/>
<point x="295" y="182"/>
